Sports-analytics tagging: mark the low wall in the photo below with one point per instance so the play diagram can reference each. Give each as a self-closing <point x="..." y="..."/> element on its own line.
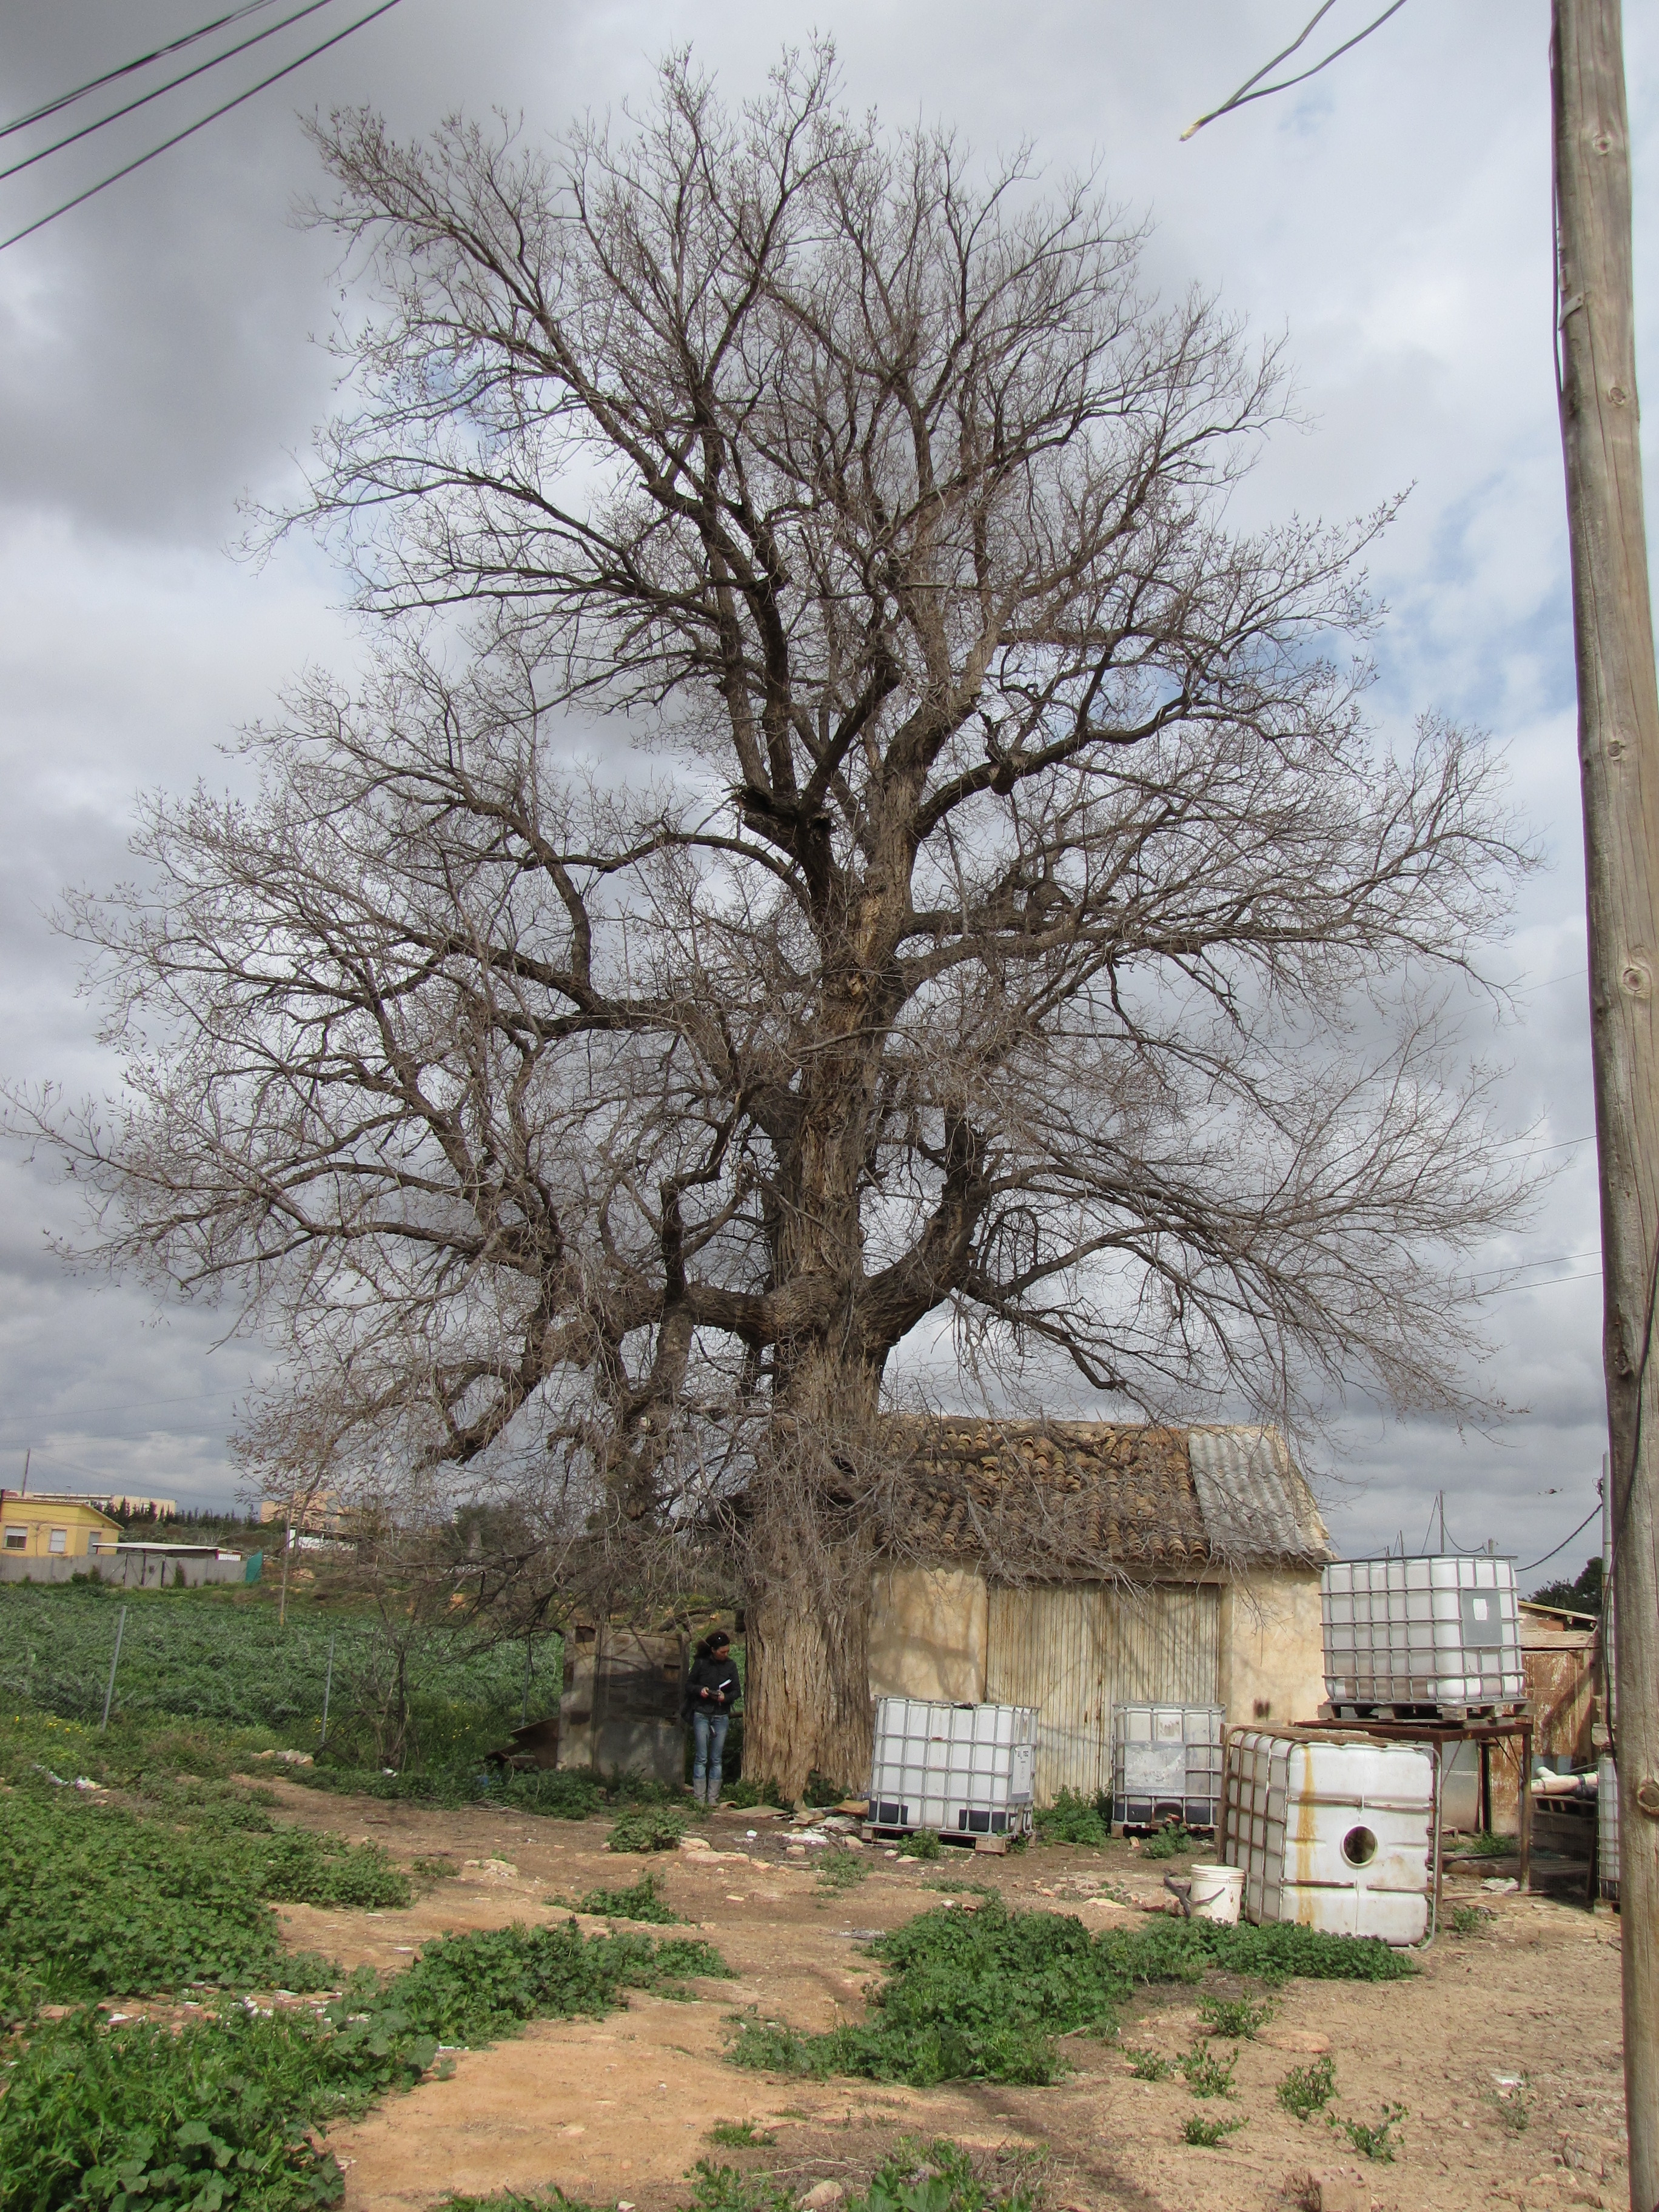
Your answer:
<point x="130" y="1570"/>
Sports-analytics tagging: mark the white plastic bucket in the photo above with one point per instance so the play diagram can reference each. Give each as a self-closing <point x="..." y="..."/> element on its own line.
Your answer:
<point x="1216" y="1892"/>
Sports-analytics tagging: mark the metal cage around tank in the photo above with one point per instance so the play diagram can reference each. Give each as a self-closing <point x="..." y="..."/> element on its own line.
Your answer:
<point x="964" y="1771"/>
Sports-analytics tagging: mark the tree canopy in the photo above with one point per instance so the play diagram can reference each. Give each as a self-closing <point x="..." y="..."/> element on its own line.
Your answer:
<point x="847" y="831"/>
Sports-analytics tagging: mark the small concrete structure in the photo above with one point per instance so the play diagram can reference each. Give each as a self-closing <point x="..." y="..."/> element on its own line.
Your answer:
<point x="1074" y="1566"/>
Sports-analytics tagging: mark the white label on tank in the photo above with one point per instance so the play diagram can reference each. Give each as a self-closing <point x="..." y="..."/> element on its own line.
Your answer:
<point x="1019" y="1773"/>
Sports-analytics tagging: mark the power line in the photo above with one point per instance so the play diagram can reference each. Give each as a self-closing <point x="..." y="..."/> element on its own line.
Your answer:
<point x="1505" y="1289"/>
<point x="1244" y="96"/>
<point x="1564" y="1541"/>
<point x="189" y="130"/>
<point x="127" y="69"/>
<point x="87" y="129"/>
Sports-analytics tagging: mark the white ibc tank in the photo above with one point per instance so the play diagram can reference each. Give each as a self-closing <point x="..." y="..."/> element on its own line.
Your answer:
<point x="1441" y="1632"/>
<point x="1166" y="1763"/>
<point x="1332" y="1833"/>
<point x="963" y="1769"/>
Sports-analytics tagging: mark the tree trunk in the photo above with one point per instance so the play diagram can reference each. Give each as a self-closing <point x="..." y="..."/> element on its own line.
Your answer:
<point x="808" y="1706"/>
<point x="1618" y="760"/>
<point x="810" y="1547"/>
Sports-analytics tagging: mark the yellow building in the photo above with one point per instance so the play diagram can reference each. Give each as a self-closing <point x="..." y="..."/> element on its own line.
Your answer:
<point x="39" y="1526"/>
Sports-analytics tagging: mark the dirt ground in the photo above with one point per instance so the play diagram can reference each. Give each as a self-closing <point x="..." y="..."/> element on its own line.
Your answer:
<point x="1504" y="2051"/>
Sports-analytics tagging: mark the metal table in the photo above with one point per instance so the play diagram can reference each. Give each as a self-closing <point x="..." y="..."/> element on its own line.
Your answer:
<point x="1439" y="1732"/>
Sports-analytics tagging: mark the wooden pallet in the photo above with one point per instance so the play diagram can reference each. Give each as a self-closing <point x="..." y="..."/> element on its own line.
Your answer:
<point x="1356" y="1712"/>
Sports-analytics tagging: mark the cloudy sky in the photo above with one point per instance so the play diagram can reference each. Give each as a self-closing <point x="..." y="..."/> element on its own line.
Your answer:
<point x="158" y="366"/>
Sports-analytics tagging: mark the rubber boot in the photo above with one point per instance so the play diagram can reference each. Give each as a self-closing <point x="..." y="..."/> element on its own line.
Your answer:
<point x="714" y="1796"/>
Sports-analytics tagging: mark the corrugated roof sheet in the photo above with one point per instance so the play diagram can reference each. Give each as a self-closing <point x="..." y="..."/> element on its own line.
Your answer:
<point x="1075" y="1500"/>
<point x="1255" y="1504"/>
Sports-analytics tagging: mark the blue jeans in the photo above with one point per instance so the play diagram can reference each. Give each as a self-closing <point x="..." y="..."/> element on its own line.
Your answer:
<point x="707" y="1749"/>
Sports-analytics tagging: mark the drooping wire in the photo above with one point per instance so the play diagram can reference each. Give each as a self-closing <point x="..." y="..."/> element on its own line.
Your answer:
<point x="1245" y="94"/>
<point x="189" y="130"/>
<point x="128" y="69"/>
<point x="185" y="76"/>
<point x="1564" y="1541"/>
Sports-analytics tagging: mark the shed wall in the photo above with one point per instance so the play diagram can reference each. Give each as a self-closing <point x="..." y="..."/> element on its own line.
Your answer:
<point x="1273" y="1648"/>
<point x="927" y="1635"/>
<point x="1074" y="1649"/>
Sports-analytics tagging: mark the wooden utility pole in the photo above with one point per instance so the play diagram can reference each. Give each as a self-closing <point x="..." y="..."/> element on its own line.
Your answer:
<point x="1618" y="763"/>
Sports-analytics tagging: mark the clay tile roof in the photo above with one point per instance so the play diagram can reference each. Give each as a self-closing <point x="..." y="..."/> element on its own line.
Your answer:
<point x="1073" y="1500"/>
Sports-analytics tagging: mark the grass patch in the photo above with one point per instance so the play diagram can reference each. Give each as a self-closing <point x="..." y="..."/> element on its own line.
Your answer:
<point x="1074" y="1819"/>
<point x="97" y="1901"/>
<point x="216" y="2116"/>
<point x="1306" y="2090"/>
<point x="1471" y="1919"/>
<point x="1207" y="2133"/>
<point x="739" y="2135"/>
<point x="983" y="1996"/>
<point x="648" y="1828"/>
<point x="641" y="1900"/>
<point x="1488" y="1846"/>
<point x="924" y="1845"/>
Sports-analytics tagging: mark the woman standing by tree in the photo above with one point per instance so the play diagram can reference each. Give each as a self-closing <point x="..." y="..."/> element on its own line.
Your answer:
<point x="711" y="1691"/>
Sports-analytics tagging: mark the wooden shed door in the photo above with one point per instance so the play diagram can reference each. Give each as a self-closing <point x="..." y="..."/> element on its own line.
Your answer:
<point x="1075" y="1649"/>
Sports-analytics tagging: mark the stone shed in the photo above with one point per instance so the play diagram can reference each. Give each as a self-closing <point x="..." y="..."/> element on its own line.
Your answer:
<point x="1075" y="1566"/>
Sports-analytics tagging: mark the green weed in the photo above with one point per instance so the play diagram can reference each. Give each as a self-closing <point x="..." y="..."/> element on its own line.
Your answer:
<point x="941" y="2177"/>
<point x="1174" y="1841"/>
<point x="1205" y="2134"/>
<point x="1489" y="1846"/>
<point x="739" y="2135"/>
<point x="1513" y="2102"/>
<point x="924" y="1845"/>
<point x="983" y="1996"/>
<point x="840" y="1870"/>
<point x="1074" y="1819"/>
<point x="95" y="1901"/>
<point x="215" y="2117"/>
<point x="1375" y="2142"/>
<point x="1240" y="2018"/>
<point x="1471" y="1919"/>
<point x="642" y="1900"/>
<point x="648" y="1828"/>
<point x="1306" y="2090"/>
<point x="1149" y="2065"/>
<point x="743" y="1793"/>
<point x="1207" y="2076"/>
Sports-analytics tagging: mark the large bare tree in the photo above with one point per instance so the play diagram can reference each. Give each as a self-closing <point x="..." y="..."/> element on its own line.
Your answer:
<point x="990" y="920"/>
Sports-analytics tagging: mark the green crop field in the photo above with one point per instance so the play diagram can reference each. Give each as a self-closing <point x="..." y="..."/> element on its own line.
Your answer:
<point x="192" y="1655"/>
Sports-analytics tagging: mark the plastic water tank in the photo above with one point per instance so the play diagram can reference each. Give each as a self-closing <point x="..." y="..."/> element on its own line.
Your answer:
<point x="1440" y="1633"/>
<point x="1606" y="1827"/>
<point x="1331" y="1833"/>
<point x="963" y="1770"/>
<point x="1166" y="1762"/>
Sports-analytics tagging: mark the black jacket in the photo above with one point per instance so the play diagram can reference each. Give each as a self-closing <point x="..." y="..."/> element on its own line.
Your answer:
<point x="720" y="1677"/>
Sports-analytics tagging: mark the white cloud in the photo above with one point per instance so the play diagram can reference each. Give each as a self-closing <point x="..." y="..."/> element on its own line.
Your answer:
<point x="1394" y="216"/>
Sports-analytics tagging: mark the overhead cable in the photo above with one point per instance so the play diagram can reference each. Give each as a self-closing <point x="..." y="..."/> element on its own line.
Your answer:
<point x="1564" y="1541"/>
<point x="189" y="130"/>
<point x="185" y="76"/>
<point x="128" y="69"/>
